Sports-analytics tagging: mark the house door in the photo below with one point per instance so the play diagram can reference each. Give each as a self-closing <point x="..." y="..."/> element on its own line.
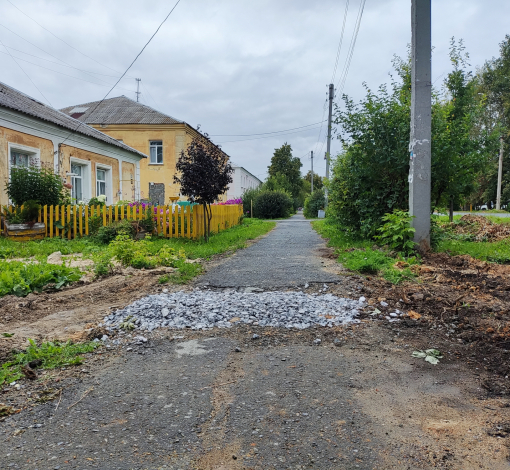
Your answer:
<point x="157" y="193"/>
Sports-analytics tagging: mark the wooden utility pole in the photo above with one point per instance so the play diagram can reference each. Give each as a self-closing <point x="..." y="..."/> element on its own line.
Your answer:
<point x="500" y="173"/>
<point x="420" y="139"/>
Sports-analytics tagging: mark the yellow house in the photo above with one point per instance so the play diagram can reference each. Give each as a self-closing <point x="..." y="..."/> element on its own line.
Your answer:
<point x="158" y="135"/>
<point x="33" y="134"/>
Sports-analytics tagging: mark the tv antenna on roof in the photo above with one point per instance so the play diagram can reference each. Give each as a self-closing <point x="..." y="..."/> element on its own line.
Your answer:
<point x="138" y="92"/>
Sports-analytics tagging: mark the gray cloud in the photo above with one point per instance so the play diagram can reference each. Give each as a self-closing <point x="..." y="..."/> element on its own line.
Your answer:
<point x="233" y="67"/>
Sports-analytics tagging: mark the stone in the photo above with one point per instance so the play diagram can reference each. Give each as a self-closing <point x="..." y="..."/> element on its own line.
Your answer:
<point x="55" y="258"/>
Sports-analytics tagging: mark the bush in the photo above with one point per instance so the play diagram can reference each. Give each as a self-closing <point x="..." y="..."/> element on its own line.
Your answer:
<point x="397" y="232"/>
<point x="106" y="234"/>
<point x="36" y="184"/>
<point x="248" y="196"/>
<point x="314" y="203"/>
<point x="272" y="205"/>
<point x="27" y="215"/>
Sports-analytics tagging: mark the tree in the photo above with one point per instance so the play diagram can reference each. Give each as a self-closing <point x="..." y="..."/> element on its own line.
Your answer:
<point x="204" y="173"/>
<point x="285" y="172"/>
<point x="317" y="180"/>
<point x="370" y="177"/>
<point x="493" y="87"/>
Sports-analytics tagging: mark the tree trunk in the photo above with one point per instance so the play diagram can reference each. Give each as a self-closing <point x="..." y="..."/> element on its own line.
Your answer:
<point x="209" y="217"/>
<point x="205" y="223"/>
<point x="451" y="209"/>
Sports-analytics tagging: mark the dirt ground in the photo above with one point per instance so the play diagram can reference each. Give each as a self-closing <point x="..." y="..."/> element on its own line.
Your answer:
<point x="453" y="415"/>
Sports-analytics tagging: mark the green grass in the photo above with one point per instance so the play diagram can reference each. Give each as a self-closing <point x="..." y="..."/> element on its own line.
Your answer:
<point x="356" y="254"/>
<point x="52" y="355"/>
<point x="461" y="244"/>
<point x="19" y="278"/>
<point x="496" y="252"/>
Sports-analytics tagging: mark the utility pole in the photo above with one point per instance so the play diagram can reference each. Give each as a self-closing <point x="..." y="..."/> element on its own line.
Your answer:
<point x="420" y="138"/>
<point x="137" y="88"/>
<point x="328" y="148"/>
<point x="500" y="173"/>
<point x="311" y="156"/>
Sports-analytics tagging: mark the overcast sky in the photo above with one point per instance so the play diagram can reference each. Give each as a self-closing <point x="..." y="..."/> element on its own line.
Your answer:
<point x="234" y="67"/>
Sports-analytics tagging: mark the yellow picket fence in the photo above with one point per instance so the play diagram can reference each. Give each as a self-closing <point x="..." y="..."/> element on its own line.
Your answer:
<point x="74" y="221"/>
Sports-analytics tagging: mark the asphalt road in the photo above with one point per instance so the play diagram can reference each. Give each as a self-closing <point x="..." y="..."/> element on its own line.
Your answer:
<point x="284" y="258"/>
<point x="201" y="404"/>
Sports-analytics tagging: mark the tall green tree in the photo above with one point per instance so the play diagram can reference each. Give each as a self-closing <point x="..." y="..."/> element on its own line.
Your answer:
<point x="370" y="177"/>
<point x="493" y="87"/>
<point x="317" y="180"/>
<point x="285" y="171"/>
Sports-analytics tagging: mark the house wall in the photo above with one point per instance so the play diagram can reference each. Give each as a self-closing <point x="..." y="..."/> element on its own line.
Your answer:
<point x="45" y="150"/>
<point x="242" y="180"/>
<point x="175" y="138"/>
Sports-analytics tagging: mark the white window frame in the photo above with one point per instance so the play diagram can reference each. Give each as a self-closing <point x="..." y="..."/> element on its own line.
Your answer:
<point x="108" y="181"/>
<point x="150" y="155"/>
<point x="86" y="184"/>
<point x="33" y="152"/>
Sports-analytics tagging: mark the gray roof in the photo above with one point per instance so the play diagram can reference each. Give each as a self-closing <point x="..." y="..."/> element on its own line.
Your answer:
<point x="119" y="110"/>
<point x="18" y="101"/>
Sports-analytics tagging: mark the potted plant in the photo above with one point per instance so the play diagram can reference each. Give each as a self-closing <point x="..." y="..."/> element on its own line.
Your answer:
<point x="21" y="224"/>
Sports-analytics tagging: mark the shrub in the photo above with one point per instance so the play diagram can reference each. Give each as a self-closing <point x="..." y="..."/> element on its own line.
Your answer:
<point x="106" y="234"/>
<point x="98" y="201"/>
<point x="314" y="203"/>
<point x="36" y="184"/>
<point x="272" y="205"/>
<point x="248" y="196"/>
<point x="397" y="232"/>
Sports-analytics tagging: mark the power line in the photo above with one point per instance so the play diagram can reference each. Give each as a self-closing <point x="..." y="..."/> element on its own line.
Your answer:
<point x="60" y="39"/>
<point x="340" y="43"/>
<point x="28" y="76"/>
<point x="62" y="73"/>
<point x="352" y="45"/>
<point x="264" y="133"/>
<point x="46" y="52"/>
<point x="320" y="130"/>
<point x="268" y="136"/>
<point x="60" y="65"/>
<point x="130" y="65"/>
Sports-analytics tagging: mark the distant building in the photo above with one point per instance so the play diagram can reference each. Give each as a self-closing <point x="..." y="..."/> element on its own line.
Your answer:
<point x="152" y="132"/>
<point x="33" y="134"/>
<point x="243" y="180"/>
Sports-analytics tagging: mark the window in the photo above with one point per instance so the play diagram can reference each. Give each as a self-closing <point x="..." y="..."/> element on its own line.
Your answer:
<point x="19" y="160"/>
<point x="156" y="152"/>
<point x="77" y="182"/>
<point x="100" y="182"/>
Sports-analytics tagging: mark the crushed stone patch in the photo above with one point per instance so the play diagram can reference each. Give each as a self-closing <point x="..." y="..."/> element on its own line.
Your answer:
<point x="203" y="309"/>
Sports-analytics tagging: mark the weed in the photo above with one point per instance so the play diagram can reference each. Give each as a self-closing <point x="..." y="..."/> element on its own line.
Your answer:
<point x="357" y="254"/>
<point x="53" y="354"/>
<point x="164" y="279"/>
<point x="397" y="232"/>
<point x="20" y="279"/>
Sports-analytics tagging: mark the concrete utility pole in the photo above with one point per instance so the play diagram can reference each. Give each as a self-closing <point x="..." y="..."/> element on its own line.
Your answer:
<point x="500" y="174"/>
<point x="328" y="148"/>
<point x="311" y="156"/>
<point x="137" y="88"/>
<point x="420" y="141"/>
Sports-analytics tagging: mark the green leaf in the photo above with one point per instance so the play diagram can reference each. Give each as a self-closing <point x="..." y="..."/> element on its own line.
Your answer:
<point x="7" y="335"/>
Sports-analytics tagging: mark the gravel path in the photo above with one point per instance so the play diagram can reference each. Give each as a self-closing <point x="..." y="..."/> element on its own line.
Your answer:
<point x="284" y="258"/>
